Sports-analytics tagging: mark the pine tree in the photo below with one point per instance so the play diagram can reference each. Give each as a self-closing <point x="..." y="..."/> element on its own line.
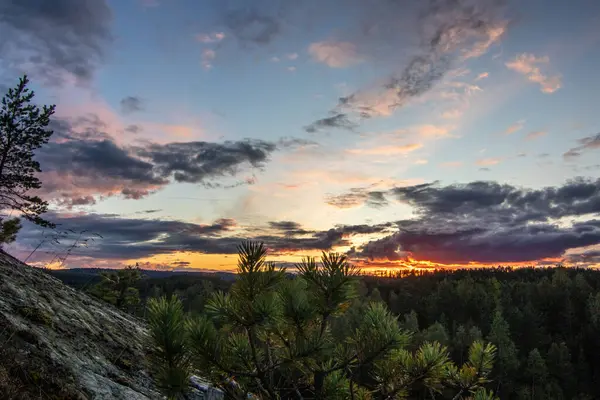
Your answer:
<point x="560" y="368"/>
<point x="537" y="374"/>
<point x="169" y="355"/>
<point x="23" y="129"/>
<point x="118" y="287"/>
<point x="278" y="337"/>
<point x="508" y="361"/>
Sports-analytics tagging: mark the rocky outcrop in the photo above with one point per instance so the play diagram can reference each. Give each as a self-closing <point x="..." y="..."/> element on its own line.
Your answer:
<point x="58" y="343"/>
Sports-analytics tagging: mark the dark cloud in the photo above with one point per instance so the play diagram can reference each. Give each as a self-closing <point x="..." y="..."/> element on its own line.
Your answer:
<point x="585" y="144"/>
<point x="99" y="158"/>
<point x="336" y="121"/>
<point x="285" y="226"/>
<point x="148" y="211"/>
<point x="489" y="222"/>
<point x="249" y="26"/>
<point x="133" y="129"/>
<point x="84" y="163"/>
<point x="357" y="197"/>
<point x="131" y="104"/>
<point x="294" y="143"/>
<point x="194" y="162"/>
<point x="590" y="257"/>
<point x="55" y="37"/>
<point x="128" y="238"/>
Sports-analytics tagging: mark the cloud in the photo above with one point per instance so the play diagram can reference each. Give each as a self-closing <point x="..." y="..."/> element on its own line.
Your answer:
<point x="452" y="114"/>
<point x="357" y="197"/>
<point x="335" y="54"/>
<point x="529" y="65"/>
<point x="452" y="164"/>
<point x="195" y="162"/>
<point x="432" y="131"/>
<point x="214" y="37"/>
<point x="448" y="30"/>
<point x="80" y="167"/>
<point x="291" y="69"/>
<point x="208" y="55"/>
<point x="119" y="238"/>
<point x="535" y="134"/>
<point x="131" y="104"/>
<point x="585" y="144"/>
<point x="488" y="222"/>
<point x="484" y="162"/>
<point x="336" y="121"/>
<point x="587" y="258"/>
<point x="292" y="56"/>
<point x="251" y="26"/>
<point x="57" y="40"/>
<point x="386" y="150"/>
<point x="482" y="75"/>
<point x="133" y="128"/>
<point x="517" y="126"/>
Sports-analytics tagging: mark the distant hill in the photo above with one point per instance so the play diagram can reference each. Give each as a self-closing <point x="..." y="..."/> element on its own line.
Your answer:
<point x="85" y="277"/>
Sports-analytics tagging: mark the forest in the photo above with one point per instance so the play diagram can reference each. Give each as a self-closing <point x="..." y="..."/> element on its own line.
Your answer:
<point x="544" y="322"/>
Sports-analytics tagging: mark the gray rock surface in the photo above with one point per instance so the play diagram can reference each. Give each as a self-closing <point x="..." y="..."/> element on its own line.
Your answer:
<point x="58" y="343"/>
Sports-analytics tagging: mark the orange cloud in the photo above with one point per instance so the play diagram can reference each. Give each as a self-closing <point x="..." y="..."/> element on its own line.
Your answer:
<point x="432" y="131"/>
<point x="387" y="150"/>
<point x="483" y="162"/>
<point x="517" y="126"/>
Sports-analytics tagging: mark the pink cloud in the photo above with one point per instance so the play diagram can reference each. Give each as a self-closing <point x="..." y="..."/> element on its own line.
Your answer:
<point x="494" y="35"/>
<point x="208" y="55"/>
<point x="214" y="37"/>
<point x="452" y="164"/>
<point x="484" y="162"/>
<point x="517" y="126"/>
<point x="529" y="65"/>
<point x="534" y="135"/>
<point x="482" y="75"/>
<point x="335" y="54"/>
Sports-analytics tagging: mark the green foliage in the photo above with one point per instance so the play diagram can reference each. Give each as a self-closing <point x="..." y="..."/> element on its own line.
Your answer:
<point x="557" y="315"/>
<point x="118" y="288"/>
<point x="23" y="129"/>
<point x="169" y="356"/>
<point x="508" y="361"/>
<point x="9" y="229"/>
<point x="311" y="336"/>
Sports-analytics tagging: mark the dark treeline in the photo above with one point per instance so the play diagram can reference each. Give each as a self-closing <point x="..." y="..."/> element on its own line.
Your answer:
<point x="544" y="322"/>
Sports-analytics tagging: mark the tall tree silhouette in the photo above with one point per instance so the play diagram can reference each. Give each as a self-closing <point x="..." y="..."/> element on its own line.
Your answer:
<point x="23" y="129"/>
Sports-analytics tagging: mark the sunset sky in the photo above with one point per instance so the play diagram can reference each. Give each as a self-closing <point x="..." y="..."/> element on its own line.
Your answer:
<point x="404" y="133"/>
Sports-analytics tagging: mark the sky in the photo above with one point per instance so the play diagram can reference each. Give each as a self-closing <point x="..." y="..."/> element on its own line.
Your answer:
<point x="403" y="133"/>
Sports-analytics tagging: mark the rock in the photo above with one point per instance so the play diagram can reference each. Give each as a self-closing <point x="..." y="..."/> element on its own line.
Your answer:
<point x="58" y="343"/>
